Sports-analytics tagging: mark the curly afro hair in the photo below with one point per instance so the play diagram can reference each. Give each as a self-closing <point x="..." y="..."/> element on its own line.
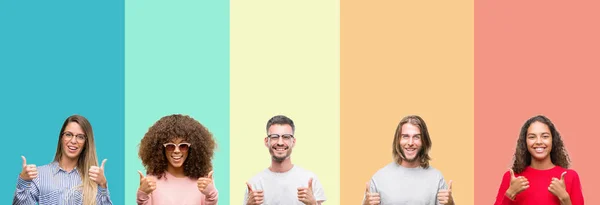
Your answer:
<point x="152" y="152"/>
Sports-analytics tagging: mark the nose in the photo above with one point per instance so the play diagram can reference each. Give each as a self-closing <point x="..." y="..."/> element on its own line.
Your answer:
<point x="538" y="140"/>
<point x="410" y="141"/>
<point x="73" y="140"/>
<point x="177" y="149"/>
<point x="279" y="141"/>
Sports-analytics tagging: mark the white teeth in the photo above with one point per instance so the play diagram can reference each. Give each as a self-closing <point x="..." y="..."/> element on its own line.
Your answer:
<point x="176" y="157"/>
<point x="72" y="148"/>
<point x="539" y="149"/>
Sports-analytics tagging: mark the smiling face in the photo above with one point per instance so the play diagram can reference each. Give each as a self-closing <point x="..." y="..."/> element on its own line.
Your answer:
<point x="73" y="141"/>
<point x="175" y="154"/>
<point x="539" y="141"/>
<point x="410" y="142"/>
<point x="280" y="142"/>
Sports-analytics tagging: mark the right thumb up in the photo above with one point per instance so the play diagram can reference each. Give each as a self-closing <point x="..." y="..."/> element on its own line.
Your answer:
<point x="371" y="198"/>
<point x="29" y="172"/>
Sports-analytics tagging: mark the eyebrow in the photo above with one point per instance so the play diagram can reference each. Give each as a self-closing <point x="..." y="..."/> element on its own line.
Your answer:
<point x="73" y="132"/>
<point x="531" y="133"/>
<point x="409" y="135"/>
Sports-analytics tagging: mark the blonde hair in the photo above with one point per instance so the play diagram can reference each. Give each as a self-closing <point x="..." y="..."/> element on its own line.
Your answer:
<point x="87" y="158"/>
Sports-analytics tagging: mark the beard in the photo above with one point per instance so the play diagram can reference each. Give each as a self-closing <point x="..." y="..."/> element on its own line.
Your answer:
<point x="414" y="159"/>
<point x="280" y="158"/>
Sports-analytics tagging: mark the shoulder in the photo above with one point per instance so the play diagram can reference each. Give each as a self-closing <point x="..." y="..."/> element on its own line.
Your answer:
<point x="48" y="167"/>
<point x="432" y="170"/>
<point x="265" y="173"/>
<point x="299" y="170"/>
<point x="570" y="174"/>
<point x="302" y="174"/>
<point x="433" y="173"/>
<point x="387" y="168"/>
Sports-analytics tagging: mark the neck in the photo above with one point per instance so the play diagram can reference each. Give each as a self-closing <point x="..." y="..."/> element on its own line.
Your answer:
<point x="413" y="164"/>
<point x="282" y="166"/>
<point x="67" y="163"/>
<point x="543" y="164"/>
<point x="176" y="171"/>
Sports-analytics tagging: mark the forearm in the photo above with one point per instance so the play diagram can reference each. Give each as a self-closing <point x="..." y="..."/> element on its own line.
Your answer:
<point x="142" y="198"/>
<point x="212" y="198"/>
<point x="566" y="201"/>
<point x="25" y="193"/>
<point x="103" y="196"/>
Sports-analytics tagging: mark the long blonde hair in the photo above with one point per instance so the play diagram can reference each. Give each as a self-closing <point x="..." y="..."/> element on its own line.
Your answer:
<point x="86" y="159"/>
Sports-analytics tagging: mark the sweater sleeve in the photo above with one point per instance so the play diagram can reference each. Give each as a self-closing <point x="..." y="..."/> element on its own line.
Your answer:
<point x="574" y="187"/>
<point x="213" y="197"/>
<point x="143" y="198"/>
<point x="501" y="198"/>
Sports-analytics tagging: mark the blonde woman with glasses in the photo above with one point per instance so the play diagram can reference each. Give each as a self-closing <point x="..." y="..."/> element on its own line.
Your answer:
<point x="73" y="177"/>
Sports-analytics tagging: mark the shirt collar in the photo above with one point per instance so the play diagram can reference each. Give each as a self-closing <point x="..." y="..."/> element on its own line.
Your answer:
<point x="56" y="168"/>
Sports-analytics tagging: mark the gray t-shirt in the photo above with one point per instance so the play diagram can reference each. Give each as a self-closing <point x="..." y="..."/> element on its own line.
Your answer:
<point x="398" y="185"/>
<point x="282" y="188"/>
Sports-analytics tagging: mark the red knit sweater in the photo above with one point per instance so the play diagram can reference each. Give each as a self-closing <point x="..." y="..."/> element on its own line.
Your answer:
<point x="538" y="193"/>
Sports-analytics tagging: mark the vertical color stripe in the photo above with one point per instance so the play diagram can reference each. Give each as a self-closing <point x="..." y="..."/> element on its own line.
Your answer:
<point x="285" y="60"/>
<point x="400" y="58"/>
<point x="58" y="59"/>
<point x="177" y="61"/>
<point x="535" y="58"/>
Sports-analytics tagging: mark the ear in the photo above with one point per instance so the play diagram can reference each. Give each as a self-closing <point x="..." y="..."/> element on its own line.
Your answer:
<point x="294" y="142"/>
<point x="267" y="142"/>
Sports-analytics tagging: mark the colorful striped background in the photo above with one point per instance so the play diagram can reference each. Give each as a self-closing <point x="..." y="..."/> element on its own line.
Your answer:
<point x="345" y="71"/>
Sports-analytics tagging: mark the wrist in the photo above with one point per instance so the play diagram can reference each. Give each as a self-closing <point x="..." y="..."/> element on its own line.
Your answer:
<point x="566" y="200"/>
<point x="510" y="195"/>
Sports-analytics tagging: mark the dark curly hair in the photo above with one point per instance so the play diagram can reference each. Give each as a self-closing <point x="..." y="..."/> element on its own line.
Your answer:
<point x="152" y="152"/>
<point x="558" y="154"/>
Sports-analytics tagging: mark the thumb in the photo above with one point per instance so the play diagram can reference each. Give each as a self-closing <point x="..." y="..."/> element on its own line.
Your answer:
<point x="512" y="174"/>
<point x="210" y="175"/>
<point x="310" y="183"/>
<point x="141" y="175"/>
<point x="103" y="161"/>
<point x="249" y="187"/>
<point x="367" y="189"/>
<point x="24" y="161"/>
<point x="562" y="176"/>
<point x="450" y="185"/>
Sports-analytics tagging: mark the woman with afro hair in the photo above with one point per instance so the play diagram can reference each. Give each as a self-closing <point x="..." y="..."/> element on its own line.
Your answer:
<point x="176" y="152"/>
<point x="540" y="173"/>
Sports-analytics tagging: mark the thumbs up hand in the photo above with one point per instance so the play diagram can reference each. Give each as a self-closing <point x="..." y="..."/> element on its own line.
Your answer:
<point x="147" y="184"/>
<point x="517" y="185"/>
<point x="445" y="196"/>
<point x="371" y="198"/>
<point x="305" y="194"/>
<point x="29" y="171"/>
<point x="255" y="197"/>
<point x="558" y="188"/>
<point x="203" y="183"/>
<point x="97" y="174"/>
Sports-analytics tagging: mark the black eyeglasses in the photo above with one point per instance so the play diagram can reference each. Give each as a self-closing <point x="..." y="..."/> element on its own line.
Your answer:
<point x="285" y="137"/>
<point x="183" y="147"/>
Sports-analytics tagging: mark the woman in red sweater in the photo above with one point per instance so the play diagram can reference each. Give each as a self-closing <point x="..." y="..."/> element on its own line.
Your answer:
<point x="540" y="173"/>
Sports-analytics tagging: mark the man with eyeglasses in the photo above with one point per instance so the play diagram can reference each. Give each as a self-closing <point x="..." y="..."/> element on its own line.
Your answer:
<point x="283" y="182"/>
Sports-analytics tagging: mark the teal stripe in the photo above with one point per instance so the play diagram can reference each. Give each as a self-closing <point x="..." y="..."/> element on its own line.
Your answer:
<point x="177" y="61"/>
<point x="59" y="58"/>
